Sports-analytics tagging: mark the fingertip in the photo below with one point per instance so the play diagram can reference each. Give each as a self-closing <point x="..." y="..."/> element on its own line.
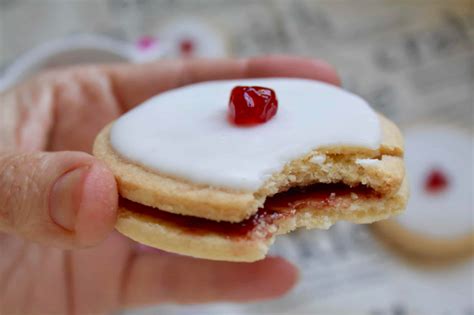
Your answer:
<point x="262" y="280"/>
<point x="326" y="71"/>
<point x="277" y="277"/>
<point x="289" y="272"/>
<point x="98" y="209"/>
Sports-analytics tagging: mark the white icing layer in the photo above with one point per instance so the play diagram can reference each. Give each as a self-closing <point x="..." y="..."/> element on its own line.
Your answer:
<point x="185" y="132"/>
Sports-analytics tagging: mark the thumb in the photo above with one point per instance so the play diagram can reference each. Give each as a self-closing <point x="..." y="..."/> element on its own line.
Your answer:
<point x="64" y="199"/>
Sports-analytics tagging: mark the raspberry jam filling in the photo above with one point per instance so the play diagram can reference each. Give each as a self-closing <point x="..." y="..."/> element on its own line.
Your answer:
<point x="281" y="206"/>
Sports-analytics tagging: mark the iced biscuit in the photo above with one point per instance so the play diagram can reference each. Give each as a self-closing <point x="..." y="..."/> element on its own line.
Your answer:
<point x="193" y="183"/>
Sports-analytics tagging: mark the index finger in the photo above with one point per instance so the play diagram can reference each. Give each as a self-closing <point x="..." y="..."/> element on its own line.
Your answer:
<point x="133" y="84"/>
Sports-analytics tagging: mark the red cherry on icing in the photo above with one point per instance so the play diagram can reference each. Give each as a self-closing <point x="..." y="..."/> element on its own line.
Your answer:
<point x="436" y="182"/>
<point x="252" y="105"/>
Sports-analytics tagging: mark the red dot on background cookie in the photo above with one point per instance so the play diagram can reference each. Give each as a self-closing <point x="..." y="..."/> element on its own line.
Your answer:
<point x="436" y="182"/>
<point x="186" y="47"/>
<point x="252" y="105"/>
<point x="146" y="42"/>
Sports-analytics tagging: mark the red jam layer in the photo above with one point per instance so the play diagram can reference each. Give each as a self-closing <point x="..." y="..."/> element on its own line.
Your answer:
<point x="282" y="205"/>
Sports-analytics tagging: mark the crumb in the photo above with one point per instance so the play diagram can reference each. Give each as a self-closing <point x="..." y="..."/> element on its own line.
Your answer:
<point x="272" y="228"/>
<point x="367" y="162"/>
<point x="318" y="159"/>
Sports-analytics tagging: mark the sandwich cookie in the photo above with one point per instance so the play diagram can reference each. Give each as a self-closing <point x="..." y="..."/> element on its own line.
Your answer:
<point x="217" y="169"/>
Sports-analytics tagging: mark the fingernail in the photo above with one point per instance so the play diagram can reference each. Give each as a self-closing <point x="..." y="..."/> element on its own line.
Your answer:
<point x="66" y="197"/>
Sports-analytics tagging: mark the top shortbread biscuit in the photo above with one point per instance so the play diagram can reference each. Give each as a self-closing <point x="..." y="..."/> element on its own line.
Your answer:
<point x="178" y="152"/>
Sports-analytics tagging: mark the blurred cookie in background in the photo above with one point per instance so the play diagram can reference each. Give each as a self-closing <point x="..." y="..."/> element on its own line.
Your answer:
<point x="437" y="226"/>
<point x="76" y="49"/>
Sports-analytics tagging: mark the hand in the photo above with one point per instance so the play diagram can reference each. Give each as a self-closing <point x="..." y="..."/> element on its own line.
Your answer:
<point x="58" y="204"/>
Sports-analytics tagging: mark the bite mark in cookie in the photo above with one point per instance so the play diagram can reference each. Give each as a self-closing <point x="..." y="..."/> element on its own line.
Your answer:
<point x="194" y="183"/>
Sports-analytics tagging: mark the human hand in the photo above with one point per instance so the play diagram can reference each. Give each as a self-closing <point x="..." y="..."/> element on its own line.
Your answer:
<point x="58" y="204"/>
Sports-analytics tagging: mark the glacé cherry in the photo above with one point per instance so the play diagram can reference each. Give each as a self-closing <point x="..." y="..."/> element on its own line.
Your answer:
<point x="250" y="105"/>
